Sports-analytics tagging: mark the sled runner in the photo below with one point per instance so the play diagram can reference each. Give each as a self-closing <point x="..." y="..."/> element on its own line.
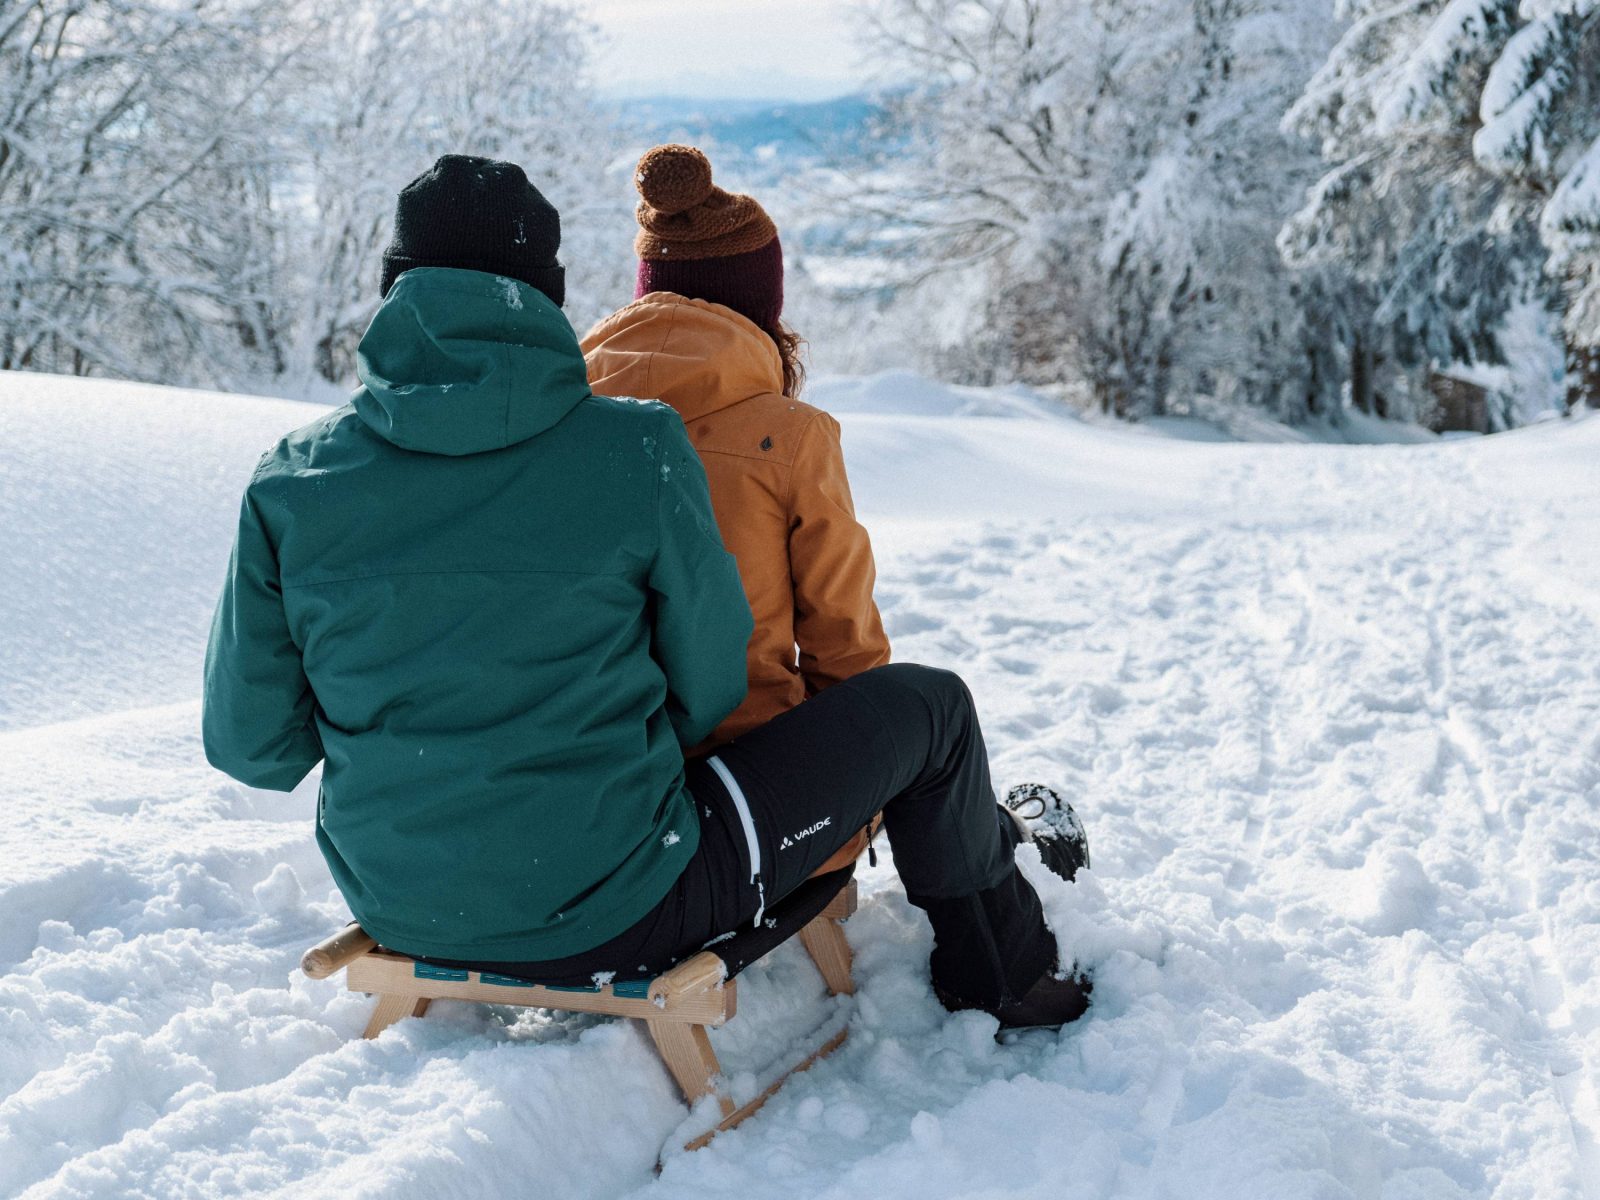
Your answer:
<point x="677" y="1006"/>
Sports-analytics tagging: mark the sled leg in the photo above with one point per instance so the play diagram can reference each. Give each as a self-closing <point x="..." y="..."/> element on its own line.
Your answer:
<point x="688" y="1054"/>
<point x="824" y="940"/>
<point x="738" y="1115"/>
<point x="394" y="1008"/>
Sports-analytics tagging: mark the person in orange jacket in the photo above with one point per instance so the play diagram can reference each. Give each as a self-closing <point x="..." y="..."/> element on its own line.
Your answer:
<point x="705" y="336"/>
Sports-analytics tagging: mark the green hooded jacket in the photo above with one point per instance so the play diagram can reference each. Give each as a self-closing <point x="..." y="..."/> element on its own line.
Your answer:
<point x="495" y="606"/>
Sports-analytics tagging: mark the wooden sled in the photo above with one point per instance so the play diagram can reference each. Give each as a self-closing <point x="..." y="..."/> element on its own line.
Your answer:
<point x="677" y="1007"/>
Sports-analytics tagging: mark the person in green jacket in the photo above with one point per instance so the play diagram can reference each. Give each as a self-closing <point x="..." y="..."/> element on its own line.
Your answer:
<point x="495" y="608"/>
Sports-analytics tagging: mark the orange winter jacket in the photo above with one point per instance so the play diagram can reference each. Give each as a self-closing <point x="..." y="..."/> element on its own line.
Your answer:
<point x="777" y="484"/>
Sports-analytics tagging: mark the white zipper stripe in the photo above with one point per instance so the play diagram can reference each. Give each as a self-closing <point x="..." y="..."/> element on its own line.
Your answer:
<point x="736" y="794"/>
<point x="742" y="806"/>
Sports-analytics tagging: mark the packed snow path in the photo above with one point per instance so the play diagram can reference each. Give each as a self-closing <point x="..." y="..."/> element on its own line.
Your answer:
<point x="1332" y="715"/>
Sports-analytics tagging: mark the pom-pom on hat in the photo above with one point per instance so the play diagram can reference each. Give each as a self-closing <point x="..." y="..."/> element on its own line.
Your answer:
<point x="702" y="242"/>
<point x="673" y="179"/>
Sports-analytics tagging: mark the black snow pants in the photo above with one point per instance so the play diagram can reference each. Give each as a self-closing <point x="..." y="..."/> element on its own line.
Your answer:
<point x="778" y="801"/>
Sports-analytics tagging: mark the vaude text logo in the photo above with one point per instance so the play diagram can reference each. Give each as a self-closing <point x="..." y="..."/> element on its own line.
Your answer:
<point x="804" y="833"/>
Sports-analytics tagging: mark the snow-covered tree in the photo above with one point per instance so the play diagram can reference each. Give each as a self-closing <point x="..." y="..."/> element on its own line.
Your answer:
<point x="135" y="227"/>
<point x="501" y="78"/>
<point x="199" y="191"/>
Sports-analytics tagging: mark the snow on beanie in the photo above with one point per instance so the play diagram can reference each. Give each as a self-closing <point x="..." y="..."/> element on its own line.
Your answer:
<point x="702" y="242"/>
<point x="476" y="214"/>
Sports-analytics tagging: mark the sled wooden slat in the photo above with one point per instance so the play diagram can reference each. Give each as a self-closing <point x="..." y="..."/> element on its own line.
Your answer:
<point x="677" y="1006"/>
<point x="388" y="974"/>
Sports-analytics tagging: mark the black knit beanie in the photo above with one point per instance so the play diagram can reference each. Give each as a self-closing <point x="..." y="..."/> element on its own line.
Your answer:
<point x="477" y="215"/>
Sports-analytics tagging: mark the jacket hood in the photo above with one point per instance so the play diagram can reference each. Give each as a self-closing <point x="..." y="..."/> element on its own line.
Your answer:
<point x="459" y="362"/>
<point x="696" y="356"/>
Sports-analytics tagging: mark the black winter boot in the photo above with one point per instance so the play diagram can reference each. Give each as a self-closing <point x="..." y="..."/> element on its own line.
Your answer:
<point x="1048" y="1004"/>
<point x="1039" y="814"/>
<point x="993" y="952"/>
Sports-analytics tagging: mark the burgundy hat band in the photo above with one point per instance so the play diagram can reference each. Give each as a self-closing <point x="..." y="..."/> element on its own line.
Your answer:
<point x="751" y="284"/>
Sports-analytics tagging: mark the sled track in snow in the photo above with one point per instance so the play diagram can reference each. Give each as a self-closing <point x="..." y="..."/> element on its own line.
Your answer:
<point x="1563" y="1031"/>
<point x="1372" y="654"/>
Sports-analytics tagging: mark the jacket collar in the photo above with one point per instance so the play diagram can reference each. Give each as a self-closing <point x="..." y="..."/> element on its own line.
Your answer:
<point x="696" y="356"/>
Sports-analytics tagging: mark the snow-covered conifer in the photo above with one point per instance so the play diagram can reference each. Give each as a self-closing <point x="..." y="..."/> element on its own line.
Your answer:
<point x="1457" y="134"/>
<point x="1540" y="110"/>
<point x="1109" y="177"/>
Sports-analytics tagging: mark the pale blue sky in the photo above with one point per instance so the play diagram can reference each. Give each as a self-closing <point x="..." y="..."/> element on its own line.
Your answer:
<point x="764" y="49"/>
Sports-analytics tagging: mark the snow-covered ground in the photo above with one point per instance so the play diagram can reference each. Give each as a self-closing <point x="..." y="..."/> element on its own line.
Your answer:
<point x="1332" y="714"/>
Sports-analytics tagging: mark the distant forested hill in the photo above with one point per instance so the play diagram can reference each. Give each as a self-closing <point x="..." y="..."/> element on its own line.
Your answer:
<point x="764" y="130"/>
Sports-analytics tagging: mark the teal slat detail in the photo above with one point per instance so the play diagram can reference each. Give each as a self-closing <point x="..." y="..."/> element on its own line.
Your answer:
<point x="504" y="980"/>
<point x="627" y="989"/>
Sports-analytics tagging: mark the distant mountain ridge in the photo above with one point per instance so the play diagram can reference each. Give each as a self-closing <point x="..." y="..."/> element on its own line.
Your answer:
<point x="806" y="131"/>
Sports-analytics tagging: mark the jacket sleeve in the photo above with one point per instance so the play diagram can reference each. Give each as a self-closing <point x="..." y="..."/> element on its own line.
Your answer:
<point x="702" y="620"/>
<point x="836" y="623"/>
<point x="258" y="711"/>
